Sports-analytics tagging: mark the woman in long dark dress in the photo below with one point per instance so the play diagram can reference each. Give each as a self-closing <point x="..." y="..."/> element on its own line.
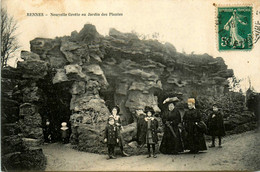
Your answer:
<point x="194" y="140"/>
<point x="171" y="141"/>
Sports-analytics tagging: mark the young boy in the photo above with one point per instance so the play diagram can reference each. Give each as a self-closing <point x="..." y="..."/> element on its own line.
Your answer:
<point x="216" y="125"/>
<point x="111" y="137"/>
<point x="150" y="127"/>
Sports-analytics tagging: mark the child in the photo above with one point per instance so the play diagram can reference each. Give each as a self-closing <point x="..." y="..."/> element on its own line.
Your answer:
<point x="216" y="125"/>
<point x="150" y="127"/>
<point x="111" y="137"/>
<point x="64" y="132"/>
<point x="115" y="113"/>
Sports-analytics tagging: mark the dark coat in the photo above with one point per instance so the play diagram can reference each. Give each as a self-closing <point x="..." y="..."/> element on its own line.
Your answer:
<point x="118" y="123"/>
<point x="141" y="135"/>
<point x="153" y="128"/>
<point x="216" y="124"/>
<point x="111" y="134"/>
<point x="170" y="144"/>
<point x="194" y="138"/>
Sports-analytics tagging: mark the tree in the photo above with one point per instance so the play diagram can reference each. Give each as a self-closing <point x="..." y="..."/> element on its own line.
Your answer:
<point x="234" y="83"/>
<point x="9" y="43"/>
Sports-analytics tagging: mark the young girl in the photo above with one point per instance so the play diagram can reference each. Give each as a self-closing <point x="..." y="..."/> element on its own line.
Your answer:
<point x="115" y="112"/>
<point x="150" y="126"/>
<point x="64" y="132"/>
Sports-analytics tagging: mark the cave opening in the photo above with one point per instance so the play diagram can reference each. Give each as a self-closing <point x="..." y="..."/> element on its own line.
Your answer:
<point x="55" y="106"/>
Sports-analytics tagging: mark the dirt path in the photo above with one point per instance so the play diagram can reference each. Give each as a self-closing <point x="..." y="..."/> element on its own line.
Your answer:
<point x="239" y="152"/>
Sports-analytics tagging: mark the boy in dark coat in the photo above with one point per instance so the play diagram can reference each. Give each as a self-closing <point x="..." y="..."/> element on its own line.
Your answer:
<point x="111" y="137"/>
<point x="216" y="125"/>
<point x="150" y="126"/>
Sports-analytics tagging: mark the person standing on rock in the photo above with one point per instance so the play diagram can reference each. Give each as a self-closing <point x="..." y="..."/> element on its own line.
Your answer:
<point x="115" y="114"/>
<point x="216" y="125"/>
<point x="111" y="137"/>
<point x="194" y="140"/>
<point x="171" y="118"/>
<point x="150" y="126"/>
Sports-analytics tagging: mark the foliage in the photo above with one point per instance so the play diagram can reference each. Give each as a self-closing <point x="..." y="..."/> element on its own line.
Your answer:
<point x="9" y="43"/>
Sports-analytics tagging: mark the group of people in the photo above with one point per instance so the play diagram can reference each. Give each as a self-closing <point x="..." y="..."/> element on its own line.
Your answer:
<point x="180" y="133"/>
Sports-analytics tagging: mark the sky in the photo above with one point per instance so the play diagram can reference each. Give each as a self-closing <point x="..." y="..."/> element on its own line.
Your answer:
<point x="189" y="25"/>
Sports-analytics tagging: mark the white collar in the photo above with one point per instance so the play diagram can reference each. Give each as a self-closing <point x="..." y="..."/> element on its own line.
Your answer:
<point x="147" y="118"/>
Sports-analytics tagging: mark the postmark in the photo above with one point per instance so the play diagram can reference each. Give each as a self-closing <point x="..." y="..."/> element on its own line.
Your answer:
<point x="234" y="28"/>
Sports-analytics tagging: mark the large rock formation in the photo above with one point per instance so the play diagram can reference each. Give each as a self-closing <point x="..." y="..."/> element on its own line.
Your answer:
<point x="21" y="125"/>
<point x="77" y="78"/>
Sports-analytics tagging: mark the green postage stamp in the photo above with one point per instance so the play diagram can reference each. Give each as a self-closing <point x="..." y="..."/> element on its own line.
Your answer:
<point x="234" y="28"/>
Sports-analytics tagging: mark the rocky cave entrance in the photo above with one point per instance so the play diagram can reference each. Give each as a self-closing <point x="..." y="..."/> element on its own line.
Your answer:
<point x="112" y="98"/>
<point x="55" y="106"/>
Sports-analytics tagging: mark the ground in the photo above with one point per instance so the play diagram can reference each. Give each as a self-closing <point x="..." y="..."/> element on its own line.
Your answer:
<point x="239" y="152"/>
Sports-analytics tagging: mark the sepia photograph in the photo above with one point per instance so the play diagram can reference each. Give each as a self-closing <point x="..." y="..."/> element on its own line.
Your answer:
<point x="130" y="85"/>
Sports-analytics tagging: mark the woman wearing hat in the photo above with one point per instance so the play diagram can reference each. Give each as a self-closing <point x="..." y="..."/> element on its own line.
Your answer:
<point x="115" y="113"/>
<point x="194" y="140"/>
<point x="171" y="118"/>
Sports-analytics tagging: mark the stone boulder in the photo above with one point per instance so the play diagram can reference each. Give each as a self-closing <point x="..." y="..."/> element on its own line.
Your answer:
<point x="74" y="72"/>
<point x="29" y="56"/>
<point x="60" y="76"/>
<point x="9" y="110"/>
<point x="33" y="69"/>
<point x="68" y="48"/>
<point x="32" y="159"/>
<point x="94" y="72"/>
<point x="12" y="143"/>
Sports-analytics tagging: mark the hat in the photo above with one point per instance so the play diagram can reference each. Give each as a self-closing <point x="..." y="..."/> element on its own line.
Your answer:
<point x="170" y="100"/>
<point x="110" y="117"/>
<point x="215" y="104"/>
<point x="117" y="108"/>
<point x="148" y="109"/>
<point x="191" y="100"/>
<point x="64" y="126"/>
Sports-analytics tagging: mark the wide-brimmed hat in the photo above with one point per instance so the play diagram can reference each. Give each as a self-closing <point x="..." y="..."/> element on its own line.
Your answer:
<point x="110" y="117"/>
<point x="171" y="100"/>
<point x="148" y="109"/>
<point x="115" y="107"/>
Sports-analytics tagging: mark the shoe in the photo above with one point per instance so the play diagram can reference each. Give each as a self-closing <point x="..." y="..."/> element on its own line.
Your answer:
<point x="124" y="154"/>
<point x="211" y="146"/>
<point x="219" y="146"/>
<point x="109" y="157"/>
<point x="113" y="157"/>
<point x="154" y="156"/>
<point x="148" y="156"/>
